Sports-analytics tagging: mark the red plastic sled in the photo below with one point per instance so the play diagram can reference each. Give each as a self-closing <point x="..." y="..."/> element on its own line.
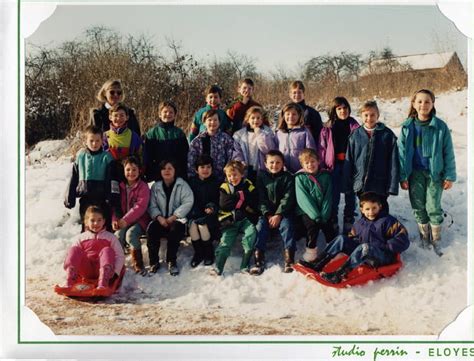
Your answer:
<point x="87" y="288"/>
<point x="357" y="276"/>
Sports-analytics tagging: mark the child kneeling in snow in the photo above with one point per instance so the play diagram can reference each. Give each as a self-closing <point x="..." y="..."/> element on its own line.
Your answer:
<point x="375" y="239"/>
<point x="97" y="253"/>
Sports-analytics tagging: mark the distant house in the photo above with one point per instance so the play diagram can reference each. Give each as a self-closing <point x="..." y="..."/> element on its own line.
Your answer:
<point x="429" y="70"/>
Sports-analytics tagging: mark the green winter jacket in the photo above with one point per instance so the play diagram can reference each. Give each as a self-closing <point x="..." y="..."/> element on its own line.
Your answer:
<point x="276" y="193"/>
<point x="314" y="195"/>
<point x="437" y="145"/>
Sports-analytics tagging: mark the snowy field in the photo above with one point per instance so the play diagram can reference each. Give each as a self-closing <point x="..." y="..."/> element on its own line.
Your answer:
<point x="425" y="296"/>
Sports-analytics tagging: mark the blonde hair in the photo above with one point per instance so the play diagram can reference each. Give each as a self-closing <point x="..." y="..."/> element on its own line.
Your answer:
<point x="290" y="106"/>
<point x="93" y="210"/>
<point x="235" y="165"/>
<point x="308" y="153"/>
<point x="297" y="84"/>
<point x="109" y="84"/>
<point x="256" y="109"/>
<point x="369" y="104"/>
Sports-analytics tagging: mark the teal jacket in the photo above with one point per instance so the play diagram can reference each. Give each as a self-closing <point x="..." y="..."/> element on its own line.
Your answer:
<point x="437" y="145"/>
<point x="314" y="195"/>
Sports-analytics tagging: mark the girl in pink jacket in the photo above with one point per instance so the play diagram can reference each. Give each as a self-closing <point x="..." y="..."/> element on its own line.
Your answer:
<point x="131" y="220"/>
<point x="96" y="253"/>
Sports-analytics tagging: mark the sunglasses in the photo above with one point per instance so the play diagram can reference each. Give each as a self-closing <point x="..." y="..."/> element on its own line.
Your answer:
<point x="115" y="92"/>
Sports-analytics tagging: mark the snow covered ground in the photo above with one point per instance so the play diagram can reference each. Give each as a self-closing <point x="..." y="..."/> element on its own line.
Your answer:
<point x="425" y="296"/>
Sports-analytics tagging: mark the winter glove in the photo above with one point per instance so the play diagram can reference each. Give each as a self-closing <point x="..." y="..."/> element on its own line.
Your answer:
<point x="310" y="254"/>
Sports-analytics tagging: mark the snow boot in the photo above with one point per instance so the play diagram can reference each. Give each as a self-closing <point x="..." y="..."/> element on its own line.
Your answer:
<point x="259" y="266"/>
<point x="173" y="268"/>
<point x="137" y="259"/>
<point x="244" y="265"/>
<point x="153" y="254"/>
<point x="208" y="252"/>
<point x="338" y="275"/>
<point x="105" y="274"/>
<point x="289" y="260"/>
<point x="319" y="263"/>
<point x="310" y="254"/>
<point x="198" y="253"/>
<point x="71" y="276"/>
<point x="425" y="235"/>
<point x="436" y="238"/>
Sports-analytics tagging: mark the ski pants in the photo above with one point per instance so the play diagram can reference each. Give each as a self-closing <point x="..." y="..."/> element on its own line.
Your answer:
<point x="87" y="266"/>
<point x="229" y="236"/>
<point x="174" y="234"/>
<point x="425" y="197"/>
<point x="359" y="252"/>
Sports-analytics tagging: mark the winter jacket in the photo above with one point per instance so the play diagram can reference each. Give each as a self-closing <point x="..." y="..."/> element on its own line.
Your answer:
<point x="384" y="232"/>
<point x="312" y="119"/>
<point x="276" y="193"/>
<point x="134" y="203"/>
<point x="198" y="126"/>
<point x="91" y="176"/>
<point x="222" y="146"/>
<point x="236" y="112"/>
<point x="122" y="142"/>
<point x="314" y="195"/>
<point x="237" y="203"/>
<point x="206" y="195"/>
<point x="92" y="243"/>
<point x="265" y="141"/>
<point x="100" y="118"/>
<point x="326" y="145"/>
<point x="291" y="143"/>
<point x="165" y="141"/>
<point x="180" y="203"/>
<point x="372" y="164"/>
<point x="437" y="145"/>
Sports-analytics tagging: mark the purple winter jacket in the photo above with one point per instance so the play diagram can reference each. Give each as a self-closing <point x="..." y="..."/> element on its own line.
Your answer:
<point x="291" y="143"/>
<point x="326" y="145"/>
<point x="135" y="204"/>
<point x="265" y="143"/>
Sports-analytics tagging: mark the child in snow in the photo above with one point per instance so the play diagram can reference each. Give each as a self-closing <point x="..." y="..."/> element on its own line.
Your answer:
<point x="236" y="112"/>
<point x="237" y="214"/>
<point x="171" y="199"/>
<point x="165" y="141"/>
<point x="96" y="252"/>
<point x="131" y="224"/>
<point x="427" y="165"/>
<point x="375" y="239"/>
<point x="109" y="95"/>
<point x="312" y="118"/>
<point x="332" y="149"/>
<point x="372" y="163"/>
<point x="91" y="177"/>
<point x="313" y="196"/>
<point x="213" y="142"/>
<point x="253" y="141"/>
<point x="292" y="137"/>
<point x="203" y="224"/>
<point x="276" y="201"/>
<point x="213" y="99"/>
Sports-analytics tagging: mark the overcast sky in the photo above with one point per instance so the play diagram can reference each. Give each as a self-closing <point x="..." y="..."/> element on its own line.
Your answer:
<point x="276" y="35"/>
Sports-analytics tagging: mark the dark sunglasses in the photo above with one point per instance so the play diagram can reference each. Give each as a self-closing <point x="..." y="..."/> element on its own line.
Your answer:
<point x="115" y="92"/>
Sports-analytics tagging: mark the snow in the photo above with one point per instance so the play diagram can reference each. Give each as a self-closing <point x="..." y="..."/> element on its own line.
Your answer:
<point x="425" y="296"/>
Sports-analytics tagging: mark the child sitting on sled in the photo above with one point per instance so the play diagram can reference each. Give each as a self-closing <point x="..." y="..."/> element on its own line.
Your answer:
<point x="375" y="239"/>
<point x="96" y="253"/>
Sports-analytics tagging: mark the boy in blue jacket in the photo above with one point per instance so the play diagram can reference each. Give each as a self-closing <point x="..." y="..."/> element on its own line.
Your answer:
<point x="371" y="163"/>
<point x="375" y="239"/>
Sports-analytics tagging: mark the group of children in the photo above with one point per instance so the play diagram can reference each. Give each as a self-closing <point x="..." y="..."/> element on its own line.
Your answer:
<point x="234" y="175"/>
